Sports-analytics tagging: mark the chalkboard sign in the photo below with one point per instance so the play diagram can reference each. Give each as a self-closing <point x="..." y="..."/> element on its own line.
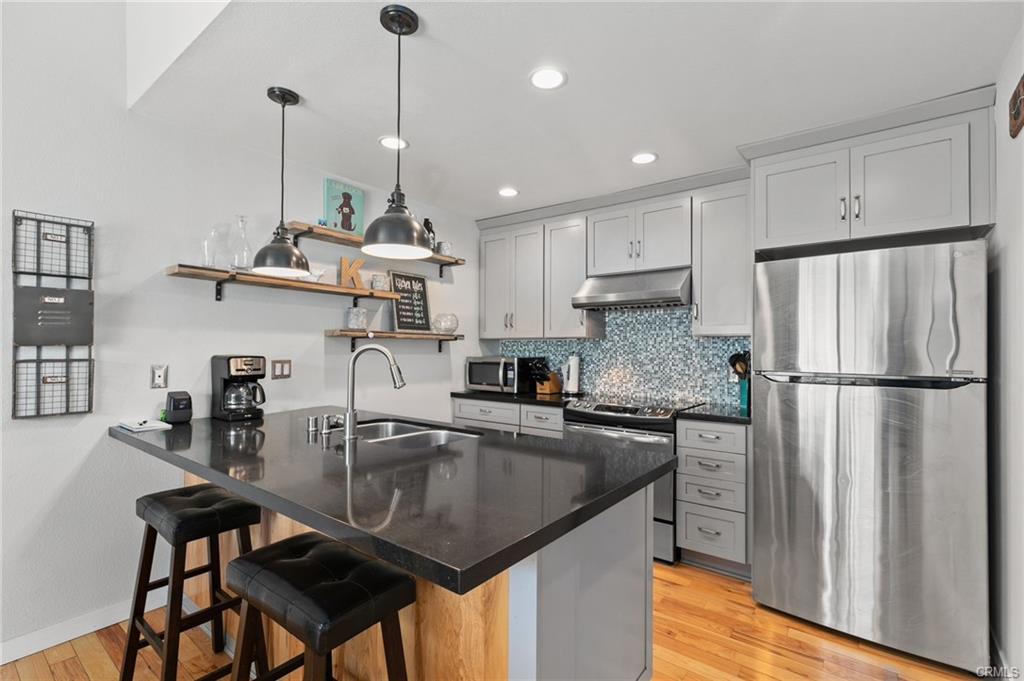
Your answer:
<point x="411" y="310"/>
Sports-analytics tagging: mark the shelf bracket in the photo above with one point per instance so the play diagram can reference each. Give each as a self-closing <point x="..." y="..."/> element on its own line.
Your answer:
<point x="218" y="291"/>
<point x="353" y="347"/>
<point x="295" y="239"/>
<point x="355" y="301"/>
<point x="440" y="270"/>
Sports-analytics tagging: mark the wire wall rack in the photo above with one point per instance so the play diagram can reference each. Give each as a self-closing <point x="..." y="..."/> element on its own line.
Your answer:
<point x="53" y="315"/>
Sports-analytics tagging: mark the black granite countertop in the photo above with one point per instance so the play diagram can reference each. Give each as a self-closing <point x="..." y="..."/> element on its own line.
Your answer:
<point x="717" y="411"/>
<point x="455" y="514"/>
<point x="556" y="400"/>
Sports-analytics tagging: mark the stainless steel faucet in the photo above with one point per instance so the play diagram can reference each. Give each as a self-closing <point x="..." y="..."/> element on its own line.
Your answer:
<point x="396" y="378"/>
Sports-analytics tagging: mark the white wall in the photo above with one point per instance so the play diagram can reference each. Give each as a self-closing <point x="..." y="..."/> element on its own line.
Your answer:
<point x="1007" y="374"/>
<point x="157" y="33"/>
<point x="70" y="147"/>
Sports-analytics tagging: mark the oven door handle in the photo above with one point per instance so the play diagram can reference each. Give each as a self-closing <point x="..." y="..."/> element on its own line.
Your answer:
<point x="621" y="434"/>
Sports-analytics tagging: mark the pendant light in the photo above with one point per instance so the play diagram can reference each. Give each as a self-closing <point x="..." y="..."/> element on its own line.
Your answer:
<point x="397" y="234"/>
<point x="281" y="258"/>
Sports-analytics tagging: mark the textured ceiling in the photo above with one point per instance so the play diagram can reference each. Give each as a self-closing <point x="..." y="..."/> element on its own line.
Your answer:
<point x="689" y="81"/>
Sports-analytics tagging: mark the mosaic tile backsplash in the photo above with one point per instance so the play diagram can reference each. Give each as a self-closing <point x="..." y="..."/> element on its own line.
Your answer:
<point x="646" y="353"/>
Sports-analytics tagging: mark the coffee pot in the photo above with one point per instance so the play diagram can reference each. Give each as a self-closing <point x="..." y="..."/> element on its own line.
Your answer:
<point x="242" y="396"/>
<point x="236" y="391"/>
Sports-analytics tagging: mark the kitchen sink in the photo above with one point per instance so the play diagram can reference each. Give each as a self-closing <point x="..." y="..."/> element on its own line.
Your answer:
<point x="435" y="437"/>
<point x="380" y="430"/>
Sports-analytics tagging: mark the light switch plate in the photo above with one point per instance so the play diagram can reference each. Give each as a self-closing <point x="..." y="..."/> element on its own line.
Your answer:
<point x="280" y="368"/>
<point x="158" y="376"/>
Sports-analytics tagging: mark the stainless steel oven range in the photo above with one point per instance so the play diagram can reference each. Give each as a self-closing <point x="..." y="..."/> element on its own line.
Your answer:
<point x="628" y="422"/>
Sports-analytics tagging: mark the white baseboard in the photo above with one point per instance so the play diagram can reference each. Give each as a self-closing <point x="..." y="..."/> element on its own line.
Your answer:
<point x="41" y="639"/>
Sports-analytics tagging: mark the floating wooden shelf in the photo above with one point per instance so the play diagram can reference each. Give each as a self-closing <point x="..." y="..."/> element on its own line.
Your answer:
<point x="221" y="277"/>
<point x="301" y="230"/>
<point x="356" y="334"/>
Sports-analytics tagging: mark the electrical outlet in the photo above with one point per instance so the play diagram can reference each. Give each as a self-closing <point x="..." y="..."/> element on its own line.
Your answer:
<point x="280" y="368"/>
<point x="158" y="376"/>
<point x="733" y="378"/>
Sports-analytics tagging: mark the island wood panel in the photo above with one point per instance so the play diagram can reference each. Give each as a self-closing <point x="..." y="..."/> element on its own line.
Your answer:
<point x="446" y="636"/>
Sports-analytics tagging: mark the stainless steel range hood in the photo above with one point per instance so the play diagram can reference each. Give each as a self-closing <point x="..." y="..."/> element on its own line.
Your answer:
<point x="640" y="289"/>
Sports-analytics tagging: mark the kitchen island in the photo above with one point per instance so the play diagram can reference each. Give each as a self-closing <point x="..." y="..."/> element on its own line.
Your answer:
<point x="532" y="556"/>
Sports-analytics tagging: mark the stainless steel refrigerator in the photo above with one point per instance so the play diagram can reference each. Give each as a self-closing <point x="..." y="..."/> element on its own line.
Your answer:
<point x="869" y="446"/>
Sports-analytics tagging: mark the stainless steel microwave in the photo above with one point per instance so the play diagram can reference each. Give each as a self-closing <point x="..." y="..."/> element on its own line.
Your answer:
<point x="502" y="374"/>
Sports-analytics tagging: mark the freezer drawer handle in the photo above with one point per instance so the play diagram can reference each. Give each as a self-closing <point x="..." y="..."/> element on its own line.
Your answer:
<point x="708" y="492"/>
<point x="709" y="465"/>
<point x="705" y="436"/>
<point x="712" y="533"/>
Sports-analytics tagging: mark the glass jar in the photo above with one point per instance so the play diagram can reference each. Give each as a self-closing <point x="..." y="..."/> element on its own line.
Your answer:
<point x="238" y="245"/>
<point x="445" y="322"/>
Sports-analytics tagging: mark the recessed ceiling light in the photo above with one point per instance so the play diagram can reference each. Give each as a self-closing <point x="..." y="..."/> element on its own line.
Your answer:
<point x="644" y="157"/>
<point x="392" y="142"/>
<point x="547" y="78"/>
<point x="508" y="192"/>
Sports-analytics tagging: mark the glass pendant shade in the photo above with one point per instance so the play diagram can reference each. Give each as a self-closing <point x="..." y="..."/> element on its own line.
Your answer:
<point x="280" y="258"/>
<point x="397" y="234"/>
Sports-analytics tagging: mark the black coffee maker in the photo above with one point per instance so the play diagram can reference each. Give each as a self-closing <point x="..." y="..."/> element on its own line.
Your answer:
<point x="237" y="393"/>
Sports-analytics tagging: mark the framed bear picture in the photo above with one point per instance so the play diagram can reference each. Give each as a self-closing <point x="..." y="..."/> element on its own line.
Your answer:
<point x="343" y="207"/>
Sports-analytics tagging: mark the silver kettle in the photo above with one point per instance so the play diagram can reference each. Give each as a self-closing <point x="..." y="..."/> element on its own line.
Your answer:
<point x="242" y="396"/>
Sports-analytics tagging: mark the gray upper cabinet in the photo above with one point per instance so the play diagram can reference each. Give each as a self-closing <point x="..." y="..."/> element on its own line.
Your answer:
<point x="512" y="283"/>
<point x="911" y="183"/>
<point x="931" y="175"/>
<point x="635" y="237"/>
<point x="662" y="233"/>
<point x="565" y="268"/>
<point x="495" y="275"/>
<point x="723" y="261"/>
<point x="527" y="312"/>
<point x="610" y="236"/>
<point x="802" y="200"/>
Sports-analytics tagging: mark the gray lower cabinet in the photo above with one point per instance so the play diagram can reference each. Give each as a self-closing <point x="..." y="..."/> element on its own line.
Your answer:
<point x="711" y="489"/>
<point x="508" y="417"/>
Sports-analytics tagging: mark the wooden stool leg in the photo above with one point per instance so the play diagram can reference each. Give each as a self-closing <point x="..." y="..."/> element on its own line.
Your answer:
<point x="314" y="666"/>
<point x="172" y="630"/>
<point x="217" y="625"/>
<point x="262" y="659"/>
<point x="131" y="647"/>
<point x="245" y="642"/>
<point x="394" y="655"/>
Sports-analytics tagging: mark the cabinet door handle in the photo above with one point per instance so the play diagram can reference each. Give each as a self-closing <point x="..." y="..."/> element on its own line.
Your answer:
<point x="708" y="492"/>
<point x="629" y="251"/>
<point x="842" y="208"/>
<point x="696" y="311"/>
<point x="638" y="248"/>
<point x="506" y="320"/>
<point x="512" y="320"/>
<point x="710" y="466"/>
<point x="541" y="418"/>
<point x="485" y="411"/>
<point x="704" y="530"/>
<point x="705" y="436"/>
<point x="856" y="207"/>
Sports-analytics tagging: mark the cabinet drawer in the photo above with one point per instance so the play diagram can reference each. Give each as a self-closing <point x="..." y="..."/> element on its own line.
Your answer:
<point x="720" y="437"/>
<point x="470" y="424"/>
<point x="541" y="432"/>
<point x="548" y="418"/>
<point x="732" y="496"/>
<point x="713" y="531"/>
<point x="492" y="412"/>
<point x="705" y="463"/>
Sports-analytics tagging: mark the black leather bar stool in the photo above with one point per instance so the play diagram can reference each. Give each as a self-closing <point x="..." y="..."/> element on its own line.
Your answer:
<point x="323" y="593"/>
<point x="181" y="516"/>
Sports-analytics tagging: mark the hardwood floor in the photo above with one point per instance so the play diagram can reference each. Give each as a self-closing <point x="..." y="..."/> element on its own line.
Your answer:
<point x="705" y="627"/>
